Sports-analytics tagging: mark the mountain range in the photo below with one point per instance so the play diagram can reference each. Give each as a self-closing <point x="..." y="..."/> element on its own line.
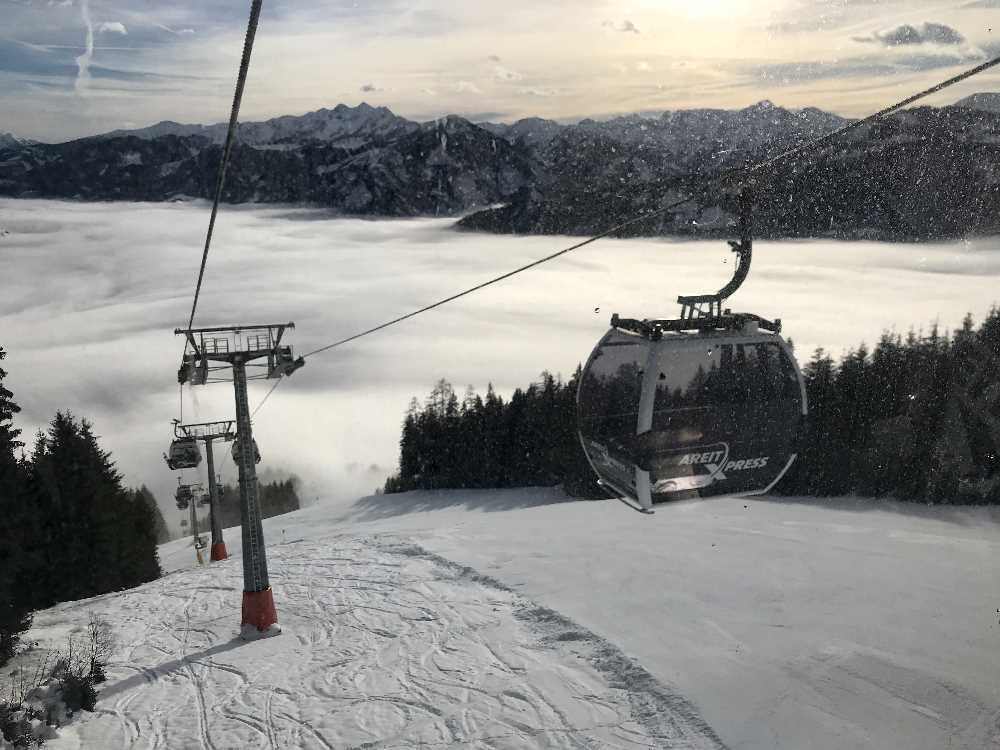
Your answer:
<point x="922" y="173"/>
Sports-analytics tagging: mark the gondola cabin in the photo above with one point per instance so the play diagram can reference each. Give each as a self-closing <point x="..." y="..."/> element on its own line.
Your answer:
<point x="282" y="362"/>
<point x="184" y="454"/>
<point x="193" y="370"/>
<point x="690" y="414"/>
<point x="236" y="452"/>
<point x="184" y="496"/>
<point x="710" y="403"/>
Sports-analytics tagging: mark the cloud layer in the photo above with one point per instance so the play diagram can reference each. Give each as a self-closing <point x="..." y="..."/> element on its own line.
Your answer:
<point x="908" y="35"/>
<point x="112" y="27"/>
<point x="95" y="290"/>
<point x="78" y="68"/>
<point x="626" y="26"/>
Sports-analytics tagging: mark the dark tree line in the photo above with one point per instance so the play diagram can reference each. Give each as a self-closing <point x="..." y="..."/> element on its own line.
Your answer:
<point x="69" y="529"/>
<point x="917" y="418"/>
<point x="529" y="440"/>
<point x="275" y="498"/>
<point x="15" y="609"/>
<point x="159" y="522"/>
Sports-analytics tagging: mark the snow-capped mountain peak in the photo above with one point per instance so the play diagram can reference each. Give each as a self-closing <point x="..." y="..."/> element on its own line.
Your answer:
<point x="764" y="105"/>
<point x="344" y="125"/>
<point x="985" y="101"/>
<point x="11" y="141"/>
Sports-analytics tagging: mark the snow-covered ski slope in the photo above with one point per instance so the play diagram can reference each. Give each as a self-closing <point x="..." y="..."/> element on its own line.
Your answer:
<point x="515" y="619"/>
<point x="386" y="646"/>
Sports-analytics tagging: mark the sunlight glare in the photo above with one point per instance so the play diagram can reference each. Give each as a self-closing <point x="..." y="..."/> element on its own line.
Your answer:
<point x="693" y="9"/>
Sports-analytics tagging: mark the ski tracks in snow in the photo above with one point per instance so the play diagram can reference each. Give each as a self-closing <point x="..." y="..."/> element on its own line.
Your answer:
<point x="385" y="646"/>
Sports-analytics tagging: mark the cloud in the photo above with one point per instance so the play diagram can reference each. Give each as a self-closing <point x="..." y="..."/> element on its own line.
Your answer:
<point x="26" y="59"/>
<point x="355" y="467"/>
<point x="626" y="26"/>
<point x="112" y="27"/>
<point x="540" y="91"/>
<point x="800" y="25"/>
<point x="175" y="32"/>
<point x="785" y="74"/>
<point x="906" y="48"/>
<point x="640" y="66"/>
<point x="369" y="88"/>
<point x="907" y="35"/>
<point x="500" y="73"/>
<point x="83" y="61"/>
<point x="292" y="72"/>
<point x="803" y="16"/>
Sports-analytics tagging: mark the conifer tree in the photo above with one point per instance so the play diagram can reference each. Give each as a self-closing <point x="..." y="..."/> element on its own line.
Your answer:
<point x="97" y="539"/>
<point x="917" y="418"/>
<point x="15" y="524"/>
<point x="160" y="529"/>
<point x="276" y="498"/>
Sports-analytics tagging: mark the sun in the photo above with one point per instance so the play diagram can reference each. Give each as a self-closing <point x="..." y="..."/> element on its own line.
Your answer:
<point x="699" y="9"/>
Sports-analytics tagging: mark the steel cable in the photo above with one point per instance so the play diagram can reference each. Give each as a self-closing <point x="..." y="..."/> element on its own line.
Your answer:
<point x="705" y="179"/>
<point x="577" y="246"/>
<point x="823" y="140"/>
<point x="241" y="78"/>
<point x="266" y="397"/>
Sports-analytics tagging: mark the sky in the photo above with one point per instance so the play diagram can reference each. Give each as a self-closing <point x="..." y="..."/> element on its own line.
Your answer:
<point x="70" y="68"/>
<point x="93" y="292"/>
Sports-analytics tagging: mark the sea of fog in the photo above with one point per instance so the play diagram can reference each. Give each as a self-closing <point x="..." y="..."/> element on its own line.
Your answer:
<point x="91" y="293"/>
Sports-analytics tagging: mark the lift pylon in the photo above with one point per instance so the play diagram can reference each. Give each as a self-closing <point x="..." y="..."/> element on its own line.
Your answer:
<point x="199" y="543"/>
<point x="208" y="432"/>
<point x="245" y="353"/>
<point x="187" y="497"/>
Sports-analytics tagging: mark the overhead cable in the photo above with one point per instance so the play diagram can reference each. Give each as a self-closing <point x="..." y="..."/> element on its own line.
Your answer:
<point x="723" y="174"/>
<point x="547" y="258"/>
<point x="241" y="79"/>
<point x="266" y="397"/>
<point x="824" y="140"/>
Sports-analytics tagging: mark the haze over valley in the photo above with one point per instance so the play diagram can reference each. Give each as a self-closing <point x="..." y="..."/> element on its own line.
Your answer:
<point x="96" y="289"/>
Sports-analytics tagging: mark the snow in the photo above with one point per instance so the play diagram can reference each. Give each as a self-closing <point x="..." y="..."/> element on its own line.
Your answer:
<point x="11" y="141"/>
<point x="521" y="619"/>
<point x="384" y="645"/>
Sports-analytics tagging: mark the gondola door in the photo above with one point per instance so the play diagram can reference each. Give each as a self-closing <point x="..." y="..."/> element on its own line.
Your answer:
<point x="608" y="404"/>
<point x="683" y="422"/>
<point x="725" y="419"/>
<point x="644" y="424"/>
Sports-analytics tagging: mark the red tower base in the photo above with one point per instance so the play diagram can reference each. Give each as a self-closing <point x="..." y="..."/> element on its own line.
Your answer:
<point x="219" y="552"/>
<point x="259" y="611"/>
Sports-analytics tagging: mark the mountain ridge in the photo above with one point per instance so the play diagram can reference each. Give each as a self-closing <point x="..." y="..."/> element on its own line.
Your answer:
<point x="985" y="101"/>
<point x="336" y="125"/>
<point x="550" y="177"/>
